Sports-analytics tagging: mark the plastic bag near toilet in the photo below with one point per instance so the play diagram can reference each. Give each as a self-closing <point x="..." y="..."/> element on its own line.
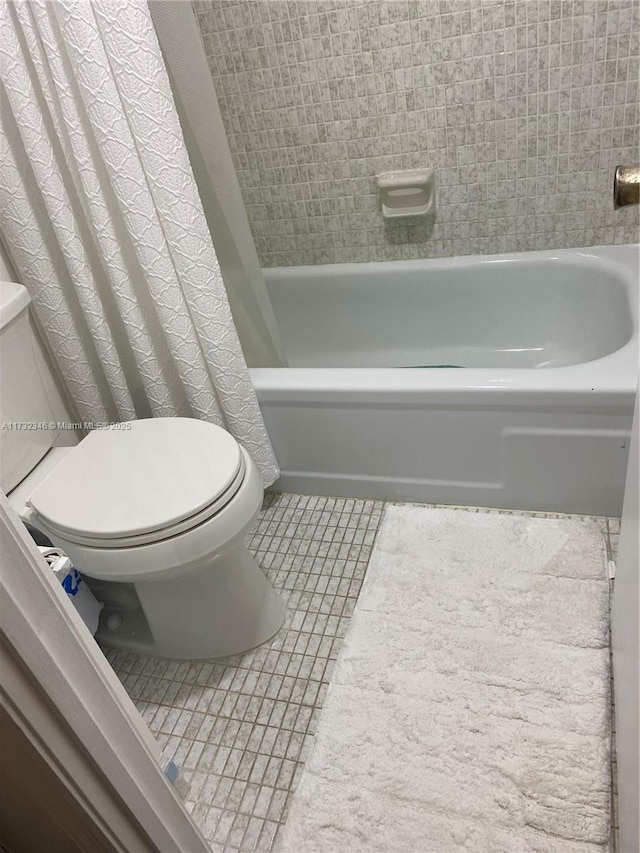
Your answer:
<point x="80" y="595"/>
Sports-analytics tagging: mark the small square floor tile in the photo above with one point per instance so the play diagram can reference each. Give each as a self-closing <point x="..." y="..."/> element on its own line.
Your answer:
<point x="240" y="728"/>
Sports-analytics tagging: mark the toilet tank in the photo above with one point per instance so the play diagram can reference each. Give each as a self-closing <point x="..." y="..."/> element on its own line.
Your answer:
<point x="31" y="405"/>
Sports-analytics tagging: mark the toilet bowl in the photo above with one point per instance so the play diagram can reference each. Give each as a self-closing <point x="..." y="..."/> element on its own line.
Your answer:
<point x="156" y="511"/>
<point x="152" y="512"/>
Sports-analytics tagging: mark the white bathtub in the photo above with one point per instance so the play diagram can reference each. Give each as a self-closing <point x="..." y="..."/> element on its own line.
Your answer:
<point x="535" y="415"/>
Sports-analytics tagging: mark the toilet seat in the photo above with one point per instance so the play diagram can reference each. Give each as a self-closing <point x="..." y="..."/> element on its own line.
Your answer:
<point x="144" y="482"/>
<point x="172" y="557"/>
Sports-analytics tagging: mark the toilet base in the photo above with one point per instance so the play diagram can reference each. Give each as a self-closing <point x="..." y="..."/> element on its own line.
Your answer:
<point x="225" y="608"/>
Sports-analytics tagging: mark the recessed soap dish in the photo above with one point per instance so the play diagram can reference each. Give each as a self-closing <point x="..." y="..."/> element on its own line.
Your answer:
<point x="408" y="193"/>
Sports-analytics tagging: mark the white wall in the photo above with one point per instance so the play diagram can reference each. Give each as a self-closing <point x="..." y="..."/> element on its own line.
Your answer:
<point x="626" y="657"/>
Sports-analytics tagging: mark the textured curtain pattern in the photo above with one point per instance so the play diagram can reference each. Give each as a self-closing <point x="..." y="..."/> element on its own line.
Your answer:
<point x="102" y="218"/>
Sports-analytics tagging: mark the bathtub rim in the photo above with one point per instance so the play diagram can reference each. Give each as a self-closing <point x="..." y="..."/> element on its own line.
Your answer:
<point x="619" y="257"/>
<point x="603" y="382"/>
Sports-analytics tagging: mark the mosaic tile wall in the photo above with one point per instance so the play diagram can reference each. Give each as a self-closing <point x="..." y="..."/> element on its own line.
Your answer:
<point x="522" y="107"/>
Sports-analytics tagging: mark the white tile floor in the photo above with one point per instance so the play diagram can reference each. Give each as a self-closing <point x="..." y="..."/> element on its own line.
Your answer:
<point x="240" y="728"/>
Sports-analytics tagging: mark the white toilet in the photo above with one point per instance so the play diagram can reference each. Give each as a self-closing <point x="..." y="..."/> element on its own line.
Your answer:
<point x="153" y="511"/>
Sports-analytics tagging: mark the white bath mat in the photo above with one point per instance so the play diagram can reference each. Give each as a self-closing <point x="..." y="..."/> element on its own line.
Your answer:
<point x="469" y="709"/>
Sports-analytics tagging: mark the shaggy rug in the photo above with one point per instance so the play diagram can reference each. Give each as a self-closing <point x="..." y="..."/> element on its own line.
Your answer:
<point x="469" y="709"/>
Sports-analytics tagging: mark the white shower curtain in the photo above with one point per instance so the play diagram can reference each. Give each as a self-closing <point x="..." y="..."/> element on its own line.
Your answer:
<point x="102" y="220"/>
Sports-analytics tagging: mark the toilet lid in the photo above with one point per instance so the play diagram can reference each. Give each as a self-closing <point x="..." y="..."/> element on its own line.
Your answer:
<point x="144" y="476"/>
